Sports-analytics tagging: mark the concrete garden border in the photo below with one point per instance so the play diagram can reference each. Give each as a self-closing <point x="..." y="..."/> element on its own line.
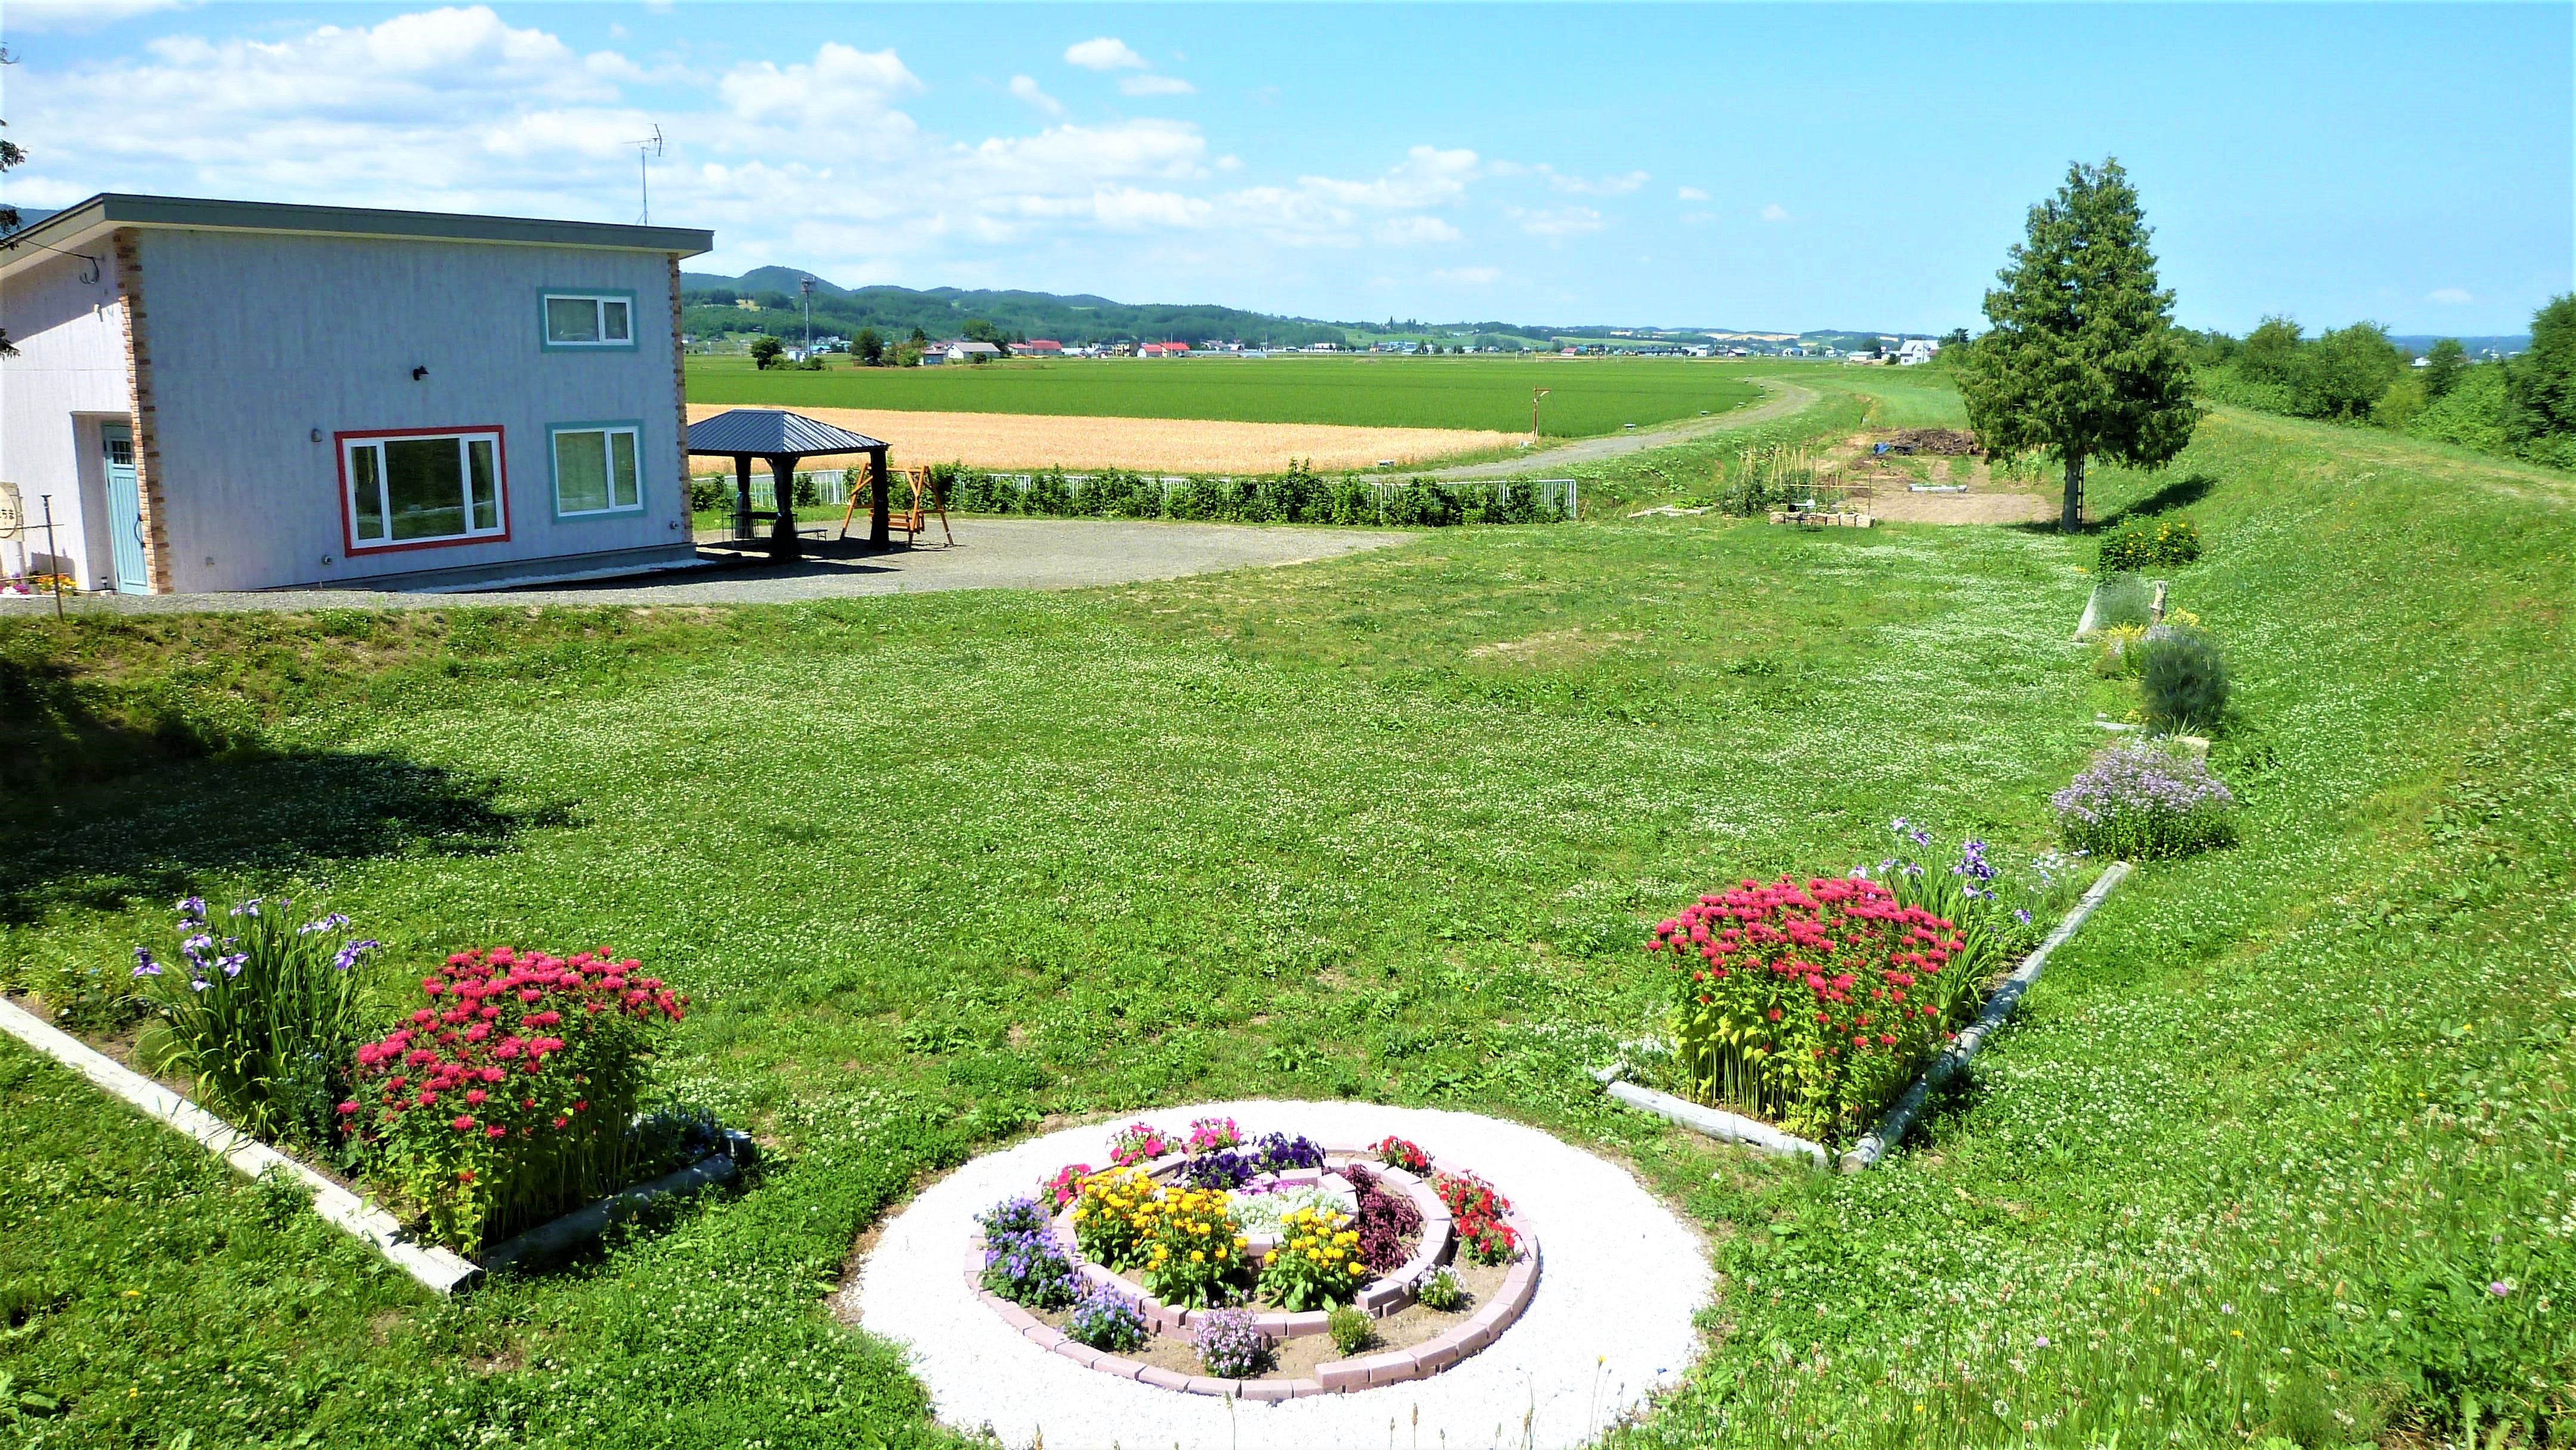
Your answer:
<point x="1874" y="1145"/>
<point x="1607" y="1323"/>
<point x="437" y="1269"/>
<point x="1390" y="1293"/>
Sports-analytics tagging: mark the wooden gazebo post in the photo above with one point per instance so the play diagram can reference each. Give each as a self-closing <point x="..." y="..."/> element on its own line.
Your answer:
<point x="742" y="496"/>
<point x="782" y="534"/>
<point x="879" y="530"/>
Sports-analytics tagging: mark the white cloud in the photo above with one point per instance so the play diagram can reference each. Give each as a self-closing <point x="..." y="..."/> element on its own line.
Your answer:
<point x="1557" y="223"/>
<point x="1468" y="276"/>
<point x="1691" y="193"/>
<point x="1415" y="231"/>
<point x="806" y="159"/>
<point x="1775" y="212"/>
<point x="32" y="17"/>
<point x="842" y="84"/>
<point x="1156" y="86"/>
<point x="2449" y="296"/>
<point x="1026" y="88"/>
<point x="1104" y="53"/>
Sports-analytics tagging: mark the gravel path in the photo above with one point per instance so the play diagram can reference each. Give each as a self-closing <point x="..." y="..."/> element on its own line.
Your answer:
<point x="1619" y="1279"/>
<point x="1784" y="399"/>
<point x="990" y="554"/>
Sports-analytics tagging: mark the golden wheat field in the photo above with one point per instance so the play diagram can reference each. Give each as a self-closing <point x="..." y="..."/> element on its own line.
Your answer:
<point x="1154" y="445"/>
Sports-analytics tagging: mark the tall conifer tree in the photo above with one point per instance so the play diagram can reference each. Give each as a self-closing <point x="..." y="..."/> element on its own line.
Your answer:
<point x="2082" y="358"/>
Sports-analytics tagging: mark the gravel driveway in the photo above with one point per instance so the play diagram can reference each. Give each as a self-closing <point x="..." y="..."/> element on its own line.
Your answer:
<point x="990" y="554"/>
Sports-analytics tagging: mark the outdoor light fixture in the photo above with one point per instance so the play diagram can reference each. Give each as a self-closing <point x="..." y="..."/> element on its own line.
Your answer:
<point x="419" y="373"/>
<point x="317" y="435"/>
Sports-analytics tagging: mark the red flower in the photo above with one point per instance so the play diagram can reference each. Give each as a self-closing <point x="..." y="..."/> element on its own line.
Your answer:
<point x="462" y="1123"/>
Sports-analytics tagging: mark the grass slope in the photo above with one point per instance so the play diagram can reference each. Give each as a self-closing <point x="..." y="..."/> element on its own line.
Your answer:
<point x="1390" y="826"/>
<point x="1585" y="397"/>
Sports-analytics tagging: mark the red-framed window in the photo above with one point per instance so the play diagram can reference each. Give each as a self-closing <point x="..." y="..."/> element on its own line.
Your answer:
<point x="422" y="488"/>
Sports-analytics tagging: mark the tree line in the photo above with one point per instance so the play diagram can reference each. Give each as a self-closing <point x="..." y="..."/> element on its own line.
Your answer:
<point x="2522" y="406"/>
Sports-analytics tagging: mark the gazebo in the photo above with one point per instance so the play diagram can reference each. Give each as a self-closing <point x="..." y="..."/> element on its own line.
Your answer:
<point x="785" y="439"/>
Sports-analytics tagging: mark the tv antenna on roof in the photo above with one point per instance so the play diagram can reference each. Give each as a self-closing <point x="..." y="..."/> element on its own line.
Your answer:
<point x="645" y="149"/>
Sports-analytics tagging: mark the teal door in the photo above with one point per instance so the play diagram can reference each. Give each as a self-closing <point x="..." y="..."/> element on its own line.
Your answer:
<point x="124" y="509"/>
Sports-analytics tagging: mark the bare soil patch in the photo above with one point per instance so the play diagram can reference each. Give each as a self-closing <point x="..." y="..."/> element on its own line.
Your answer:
<point x="1150" y="445"/>
<point x="1889" y="482"/>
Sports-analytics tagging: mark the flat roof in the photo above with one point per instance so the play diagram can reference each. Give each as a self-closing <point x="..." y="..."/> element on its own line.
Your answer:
<point x="83" y="222"/>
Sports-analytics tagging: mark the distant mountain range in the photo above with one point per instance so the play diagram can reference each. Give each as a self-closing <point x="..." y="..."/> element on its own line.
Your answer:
<point x="715" y="305"/>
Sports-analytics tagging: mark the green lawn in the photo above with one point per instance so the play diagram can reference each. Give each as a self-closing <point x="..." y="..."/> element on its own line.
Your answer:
<point x="1585" y="397"/>
<point x="2250" y="1160"/>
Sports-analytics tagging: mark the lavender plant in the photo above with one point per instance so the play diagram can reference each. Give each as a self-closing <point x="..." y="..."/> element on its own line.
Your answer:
<point x="1231" y="1347"/>
<point x="1107" y="1319"/>
<point x="264" y="1019"/>
<point x="1023" y="1261"/>
<point x="2139" y="800"/>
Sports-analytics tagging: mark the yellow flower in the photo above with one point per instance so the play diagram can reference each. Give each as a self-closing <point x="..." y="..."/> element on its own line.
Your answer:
<point x="1355" y="1271"/>
<point x="1271" y="1257"/>
<point x="1197" y="1257"/>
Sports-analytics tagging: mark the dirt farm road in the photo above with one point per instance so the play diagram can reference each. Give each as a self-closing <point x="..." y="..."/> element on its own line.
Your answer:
<point x="1783" y="400"/>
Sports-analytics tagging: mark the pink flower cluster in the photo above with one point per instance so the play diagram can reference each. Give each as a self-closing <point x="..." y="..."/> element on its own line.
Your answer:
<point x="513" y="1085"/>
<point x="1137" y="1143"/>
<point x="1780" y="986"/>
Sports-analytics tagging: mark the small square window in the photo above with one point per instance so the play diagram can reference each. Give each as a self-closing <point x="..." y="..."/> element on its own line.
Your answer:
<point x="589" y="319"/>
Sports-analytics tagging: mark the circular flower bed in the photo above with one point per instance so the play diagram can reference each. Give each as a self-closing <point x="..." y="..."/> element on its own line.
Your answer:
<point x="1265" y="1270"/>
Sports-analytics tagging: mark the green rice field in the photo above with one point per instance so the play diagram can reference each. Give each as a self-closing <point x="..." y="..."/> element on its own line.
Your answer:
<point x="1586" y="396"/>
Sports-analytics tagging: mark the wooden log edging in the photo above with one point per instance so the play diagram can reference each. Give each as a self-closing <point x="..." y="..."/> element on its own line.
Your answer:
<point x="1873" y="1146"/>
<point x="549" y="1241"/>
<point x="437" y="1269"/>
<point x="442" y="1272"/>
<point x="1713" y="1122"/>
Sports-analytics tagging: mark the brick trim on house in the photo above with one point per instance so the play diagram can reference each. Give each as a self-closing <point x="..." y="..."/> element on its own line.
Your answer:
<point x="145" y="418"/>
<point x="680" y="392"/>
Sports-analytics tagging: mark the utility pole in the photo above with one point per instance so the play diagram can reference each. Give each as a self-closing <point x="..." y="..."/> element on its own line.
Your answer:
<point x="807" y="287"/>
<point x="1535" y="395"/>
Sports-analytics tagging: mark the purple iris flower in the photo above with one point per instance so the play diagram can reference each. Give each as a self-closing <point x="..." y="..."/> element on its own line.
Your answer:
<point x="144" y="966"/>
<point x="348" y="955"/>
<point x="333" y="922"/>
<point x="192" y="912"/>
<point x="233" y="964"/>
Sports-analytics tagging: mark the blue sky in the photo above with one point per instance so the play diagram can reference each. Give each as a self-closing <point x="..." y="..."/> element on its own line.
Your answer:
<point x="1793" y="167"/>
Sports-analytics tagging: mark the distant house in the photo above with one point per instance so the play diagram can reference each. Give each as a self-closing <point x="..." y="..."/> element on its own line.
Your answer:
<point x="1164" y="349"/>
<point x="1040" y="346"/>
<point x="195" y="398"/>
<point x="959" y="352"/>
<point x="1916" y="350"/>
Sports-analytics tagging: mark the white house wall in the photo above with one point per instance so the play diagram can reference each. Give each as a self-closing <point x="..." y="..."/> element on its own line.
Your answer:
<point x="68" y="375"/>
<point x="260" y="341"/>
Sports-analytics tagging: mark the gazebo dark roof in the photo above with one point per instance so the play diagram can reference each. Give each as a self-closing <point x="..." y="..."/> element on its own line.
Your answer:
<point x="774" y="433"/>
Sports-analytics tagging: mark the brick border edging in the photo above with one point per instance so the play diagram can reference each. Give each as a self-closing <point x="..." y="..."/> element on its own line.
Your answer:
<point x="1389" y="1293"/>
<point x="1387" y="1367"/>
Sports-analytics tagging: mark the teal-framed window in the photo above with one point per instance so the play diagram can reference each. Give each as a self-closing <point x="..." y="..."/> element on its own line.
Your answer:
<point x="574" y="319"/>
<point x="598" y="468"/>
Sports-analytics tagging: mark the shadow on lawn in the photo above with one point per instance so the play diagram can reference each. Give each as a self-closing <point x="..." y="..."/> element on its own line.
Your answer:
<point x="2179" y="493"/>
<point x="160" y="833"/>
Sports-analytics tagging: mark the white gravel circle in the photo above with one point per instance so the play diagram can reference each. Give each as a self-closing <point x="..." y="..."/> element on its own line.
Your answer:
<point x="1620" y="1278"/>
